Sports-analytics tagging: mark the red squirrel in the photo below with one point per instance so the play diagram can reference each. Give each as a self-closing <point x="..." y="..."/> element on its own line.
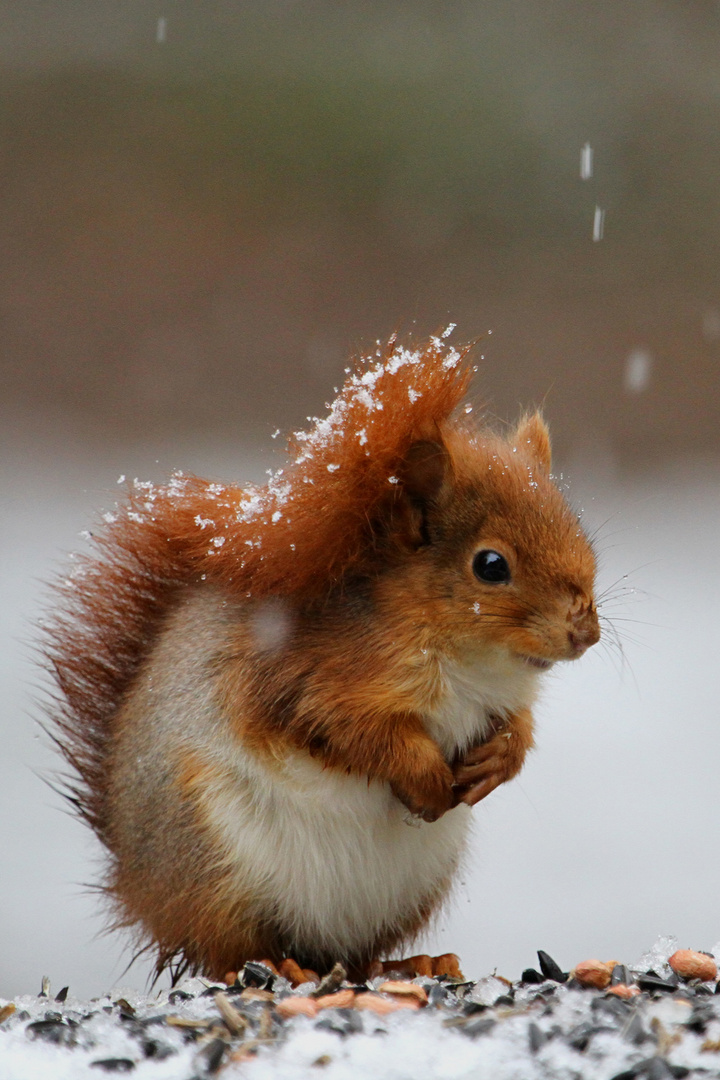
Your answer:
<point x="280" y="703"/>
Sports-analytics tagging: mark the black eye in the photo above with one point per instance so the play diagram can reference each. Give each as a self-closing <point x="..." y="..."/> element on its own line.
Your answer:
<point x="492" y="567"/>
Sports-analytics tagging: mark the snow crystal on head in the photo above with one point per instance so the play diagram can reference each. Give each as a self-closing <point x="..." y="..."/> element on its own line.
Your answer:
<point x="361" y="389"/>
<point x="251" y="505"/>
<point x="178" y="485"/>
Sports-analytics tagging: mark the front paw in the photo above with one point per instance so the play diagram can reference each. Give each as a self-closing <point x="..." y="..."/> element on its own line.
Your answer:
<point x="485" y="767"/>
<point x="430" y="800"/>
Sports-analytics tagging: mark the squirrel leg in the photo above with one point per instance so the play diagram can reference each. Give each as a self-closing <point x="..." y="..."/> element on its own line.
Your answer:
<point x="396" y="749"/>
<point x="418" y="774"/>
<point x="485" y="767"/>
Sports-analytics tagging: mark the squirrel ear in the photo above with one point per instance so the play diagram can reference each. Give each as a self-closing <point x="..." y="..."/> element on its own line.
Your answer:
<point x="426" y="470"/>
<point x="532" y="432"/>
<point x="423" y="476"/>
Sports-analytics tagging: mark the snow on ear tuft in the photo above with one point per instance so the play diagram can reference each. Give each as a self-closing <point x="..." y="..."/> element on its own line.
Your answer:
<point x="532" y="433"/>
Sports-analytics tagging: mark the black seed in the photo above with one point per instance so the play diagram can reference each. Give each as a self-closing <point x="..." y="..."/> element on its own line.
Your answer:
<point x="341" y="1021"/>
<point x="178" y="995"/>
<point x="479" y="1025"/>
<point x="550" y="969"/>
<point x="504" y="999"/>
<point x="702" y="1014"/>
<point x="536" y="1037"/>
<point x="438" y="995"/>
<point x="650" y="983"/>
<point x="581" y="1035"/>
<point x="659" y="1070"/>
<point x="51" y="1031"/>
<point x="635" y="1032"/>
<point x="612" y="1006"/>
<point x="640" y="1068"/>
<point x="472" y="1008"/>
<point x="256" y="975"/>
<point x="151" y="1048"/>
<point x="620" y="976"/>
<point x="654" y="1068"/>
<point x="213" y="1054"/>
<point x="211" y="991"/>
<point x="531" y="976"/>
<point x="62" y="994"/>
<point x="113" y="1064"/>
<point x="148" y="1021"/>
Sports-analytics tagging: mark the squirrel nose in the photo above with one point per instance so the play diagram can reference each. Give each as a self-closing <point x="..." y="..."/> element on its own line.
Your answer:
<point x="584" y="630"/>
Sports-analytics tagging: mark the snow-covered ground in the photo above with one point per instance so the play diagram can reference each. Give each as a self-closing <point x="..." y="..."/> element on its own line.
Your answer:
<point x="538" y="1029"/>
<point x="607" y="839"/>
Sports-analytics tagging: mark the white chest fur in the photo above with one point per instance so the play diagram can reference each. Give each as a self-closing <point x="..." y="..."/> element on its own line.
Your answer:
<point x="491" y="684"/>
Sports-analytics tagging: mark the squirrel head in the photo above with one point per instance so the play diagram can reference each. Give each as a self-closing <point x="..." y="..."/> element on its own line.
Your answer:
<point x="488" y="548"/>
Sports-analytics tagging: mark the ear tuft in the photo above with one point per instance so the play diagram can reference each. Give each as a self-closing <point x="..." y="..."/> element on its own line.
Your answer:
<point x="532" y="433"/>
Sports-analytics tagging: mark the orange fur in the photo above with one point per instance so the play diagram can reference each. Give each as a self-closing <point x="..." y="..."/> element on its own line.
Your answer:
<point x="340" y="615"/>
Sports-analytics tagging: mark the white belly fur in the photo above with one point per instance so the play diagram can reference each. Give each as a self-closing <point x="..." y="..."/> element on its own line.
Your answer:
<point x="335" y="858"/>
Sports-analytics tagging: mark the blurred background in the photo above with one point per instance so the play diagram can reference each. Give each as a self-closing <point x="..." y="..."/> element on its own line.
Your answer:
<point x="206" y="208"/>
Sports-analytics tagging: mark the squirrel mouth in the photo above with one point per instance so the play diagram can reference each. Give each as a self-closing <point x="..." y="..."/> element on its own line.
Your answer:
<point x="536" y="662"/>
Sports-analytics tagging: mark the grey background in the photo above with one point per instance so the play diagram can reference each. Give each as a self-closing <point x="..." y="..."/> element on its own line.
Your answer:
<point x="196" y="233"/>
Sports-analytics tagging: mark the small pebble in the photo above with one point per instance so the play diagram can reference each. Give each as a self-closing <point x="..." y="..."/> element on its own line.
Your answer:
<point x="383" y="1005"/>
<point x="404" y="990"/>
<point x="593" y="973"/>
<point x="296" y="1006"/>
<point x="624" y="992"/>
<point x="341" y="999"/>
<point x="689" y="964"/>
<point x="252" y="994"/>
<point x="113" y="1064"/>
